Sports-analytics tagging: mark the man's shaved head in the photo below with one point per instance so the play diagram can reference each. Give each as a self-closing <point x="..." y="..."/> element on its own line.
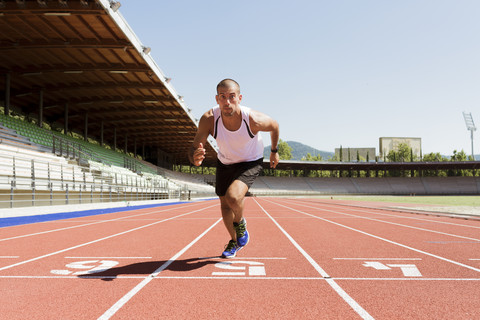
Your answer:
<point x="228" y="83"/>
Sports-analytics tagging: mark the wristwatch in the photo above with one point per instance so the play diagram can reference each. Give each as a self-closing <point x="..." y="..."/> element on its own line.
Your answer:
<point x="274" y="150"/>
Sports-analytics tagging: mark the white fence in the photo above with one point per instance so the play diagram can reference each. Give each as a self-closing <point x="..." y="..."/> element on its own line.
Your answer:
<point x="29" y="178"/>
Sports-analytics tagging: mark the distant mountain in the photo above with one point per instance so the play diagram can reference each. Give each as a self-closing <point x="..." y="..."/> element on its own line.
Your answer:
<point x="299" y="150"/>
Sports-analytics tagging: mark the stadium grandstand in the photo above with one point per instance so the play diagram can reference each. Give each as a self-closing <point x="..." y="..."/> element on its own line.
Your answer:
<point x="87" y="116"/>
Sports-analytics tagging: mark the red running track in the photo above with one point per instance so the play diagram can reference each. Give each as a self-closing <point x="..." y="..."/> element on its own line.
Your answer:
<point x="307" y="259"/>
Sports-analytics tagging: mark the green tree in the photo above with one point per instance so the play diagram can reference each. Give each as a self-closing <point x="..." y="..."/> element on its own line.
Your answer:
<point x="460" y="156"/>
<point x="434" y="157"/>
<point x="313" y="173"/>
<point x="403" y="153"/>
<point x="284" y="150"/>
<point x="309" y="157"/>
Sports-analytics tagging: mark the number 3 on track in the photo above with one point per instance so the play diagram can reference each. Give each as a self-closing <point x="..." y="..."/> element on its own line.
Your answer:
<point x="254" y="268"/>
<point x="409" y="270"/>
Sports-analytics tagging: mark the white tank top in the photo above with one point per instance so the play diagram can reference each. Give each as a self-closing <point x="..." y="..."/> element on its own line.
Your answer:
<point x="236" y="146"/>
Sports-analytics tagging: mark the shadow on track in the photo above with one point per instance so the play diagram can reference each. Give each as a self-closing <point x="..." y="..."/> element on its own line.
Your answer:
<point x="147" y="268"/>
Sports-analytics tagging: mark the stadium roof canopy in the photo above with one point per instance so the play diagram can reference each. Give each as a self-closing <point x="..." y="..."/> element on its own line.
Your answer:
<point x="77" y="63"/>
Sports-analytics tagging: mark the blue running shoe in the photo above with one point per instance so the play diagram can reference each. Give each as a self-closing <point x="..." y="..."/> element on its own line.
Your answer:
<point x="242" y="233"/>
<point x="230" y="249"/>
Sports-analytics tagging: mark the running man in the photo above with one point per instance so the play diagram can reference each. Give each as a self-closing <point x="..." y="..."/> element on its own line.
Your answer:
<point x="240" y="155"/>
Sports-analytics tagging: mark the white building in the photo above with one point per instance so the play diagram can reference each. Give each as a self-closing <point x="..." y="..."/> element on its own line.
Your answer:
<point x="391" y="143"/>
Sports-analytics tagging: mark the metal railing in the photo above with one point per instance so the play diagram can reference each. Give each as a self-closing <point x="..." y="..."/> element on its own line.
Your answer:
<point x="73" y="150"/>
<point x="25" y="181"/>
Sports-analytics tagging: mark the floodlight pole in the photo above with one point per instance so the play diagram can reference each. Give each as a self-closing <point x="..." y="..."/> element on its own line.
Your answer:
<point x="470" y="126"/>
<point x="471" y="138"/>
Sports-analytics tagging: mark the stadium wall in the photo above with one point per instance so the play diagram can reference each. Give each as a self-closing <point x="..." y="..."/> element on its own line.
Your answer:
<point x="367" y="186"/>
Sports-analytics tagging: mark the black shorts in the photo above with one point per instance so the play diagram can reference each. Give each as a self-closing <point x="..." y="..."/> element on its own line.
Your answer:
<point x="243" y="171"/>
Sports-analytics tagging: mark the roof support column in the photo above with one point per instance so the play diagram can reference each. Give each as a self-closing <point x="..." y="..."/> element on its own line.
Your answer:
<point x="115" y="139"/>
<point x="135" y="147"/>
<point x="85" y="130"/>
<point x="143" y="150"/>
<point x="6" y="108"/>
<point x="40" y="108"/>
<point x="101" y="133"/>
<point x="65" y="122"/>
<point x="126" y="140"/>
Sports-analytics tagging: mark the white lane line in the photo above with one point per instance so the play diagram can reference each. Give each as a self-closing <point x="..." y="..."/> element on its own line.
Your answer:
<point x="159" y="277"/>
<point x="316" y="278"/>
<point x="383" y="239"/>
<point x="387" y="259"/>
<point x="72" y="277"/>
<point x="108" y="257"/>
<point x="85" y="224"/>
<point x="120" y="303"/>
<point x="393" y="223"/>
<point x="351" y="302"/>
<point x="410" y="279"/>
<point x="9" y="257"/>
<point x="260" y="258"/>
<point x="368" y="210"/>
<point x="98" y="240"/>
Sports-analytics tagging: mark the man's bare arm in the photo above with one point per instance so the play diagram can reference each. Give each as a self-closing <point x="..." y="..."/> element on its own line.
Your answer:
<point x="196" y="153"/>
<point x="261" y="122"/>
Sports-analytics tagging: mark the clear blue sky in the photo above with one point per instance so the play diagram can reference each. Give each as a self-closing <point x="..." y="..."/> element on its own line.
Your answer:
<point x="331" y="72"/>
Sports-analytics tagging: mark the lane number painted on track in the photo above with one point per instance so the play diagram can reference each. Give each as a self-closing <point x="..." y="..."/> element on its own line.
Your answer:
<point x="240" y="268"/>
<point x="408" y="270"/>
<point x="86" y="267"/>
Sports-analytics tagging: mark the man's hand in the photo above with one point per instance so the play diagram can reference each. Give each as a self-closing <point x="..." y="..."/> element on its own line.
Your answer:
<point x="198" y="155"/>
<point x="274" y="158"/>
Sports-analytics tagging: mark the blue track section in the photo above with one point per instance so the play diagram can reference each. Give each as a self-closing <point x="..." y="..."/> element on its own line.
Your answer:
<point x="15" y="221"/>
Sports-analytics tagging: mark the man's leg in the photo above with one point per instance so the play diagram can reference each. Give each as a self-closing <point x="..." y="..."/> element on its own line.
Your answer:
<point x="227" y="215"/>
<point x="232" y="206"/>
<point x="235" y="199"/>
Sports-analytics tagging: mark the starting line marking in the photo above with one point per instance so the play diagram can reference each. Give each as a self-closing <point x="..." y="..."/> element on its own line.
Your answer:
<point x="235" y="278"/>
